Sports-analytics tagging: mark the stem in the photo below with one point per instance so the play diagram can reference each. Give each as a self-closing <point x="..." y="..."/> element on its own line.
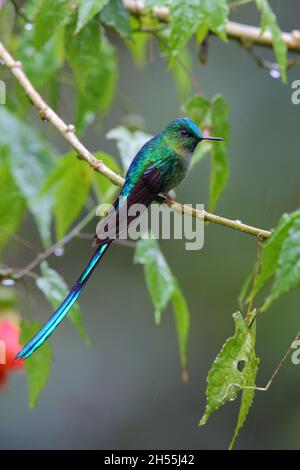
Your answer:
<point x="68" y="132"/>
<point x="42" y="256"/>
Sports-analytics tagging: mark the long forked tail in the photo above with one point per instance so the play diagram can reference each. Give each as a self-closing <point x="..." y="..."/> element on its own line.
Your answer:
<point x="63" y="310"/>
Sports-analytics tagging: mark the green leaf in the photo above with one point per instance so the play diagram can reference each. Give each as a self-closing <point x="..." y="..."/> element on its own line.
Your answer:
<point x="38" y="365"/>
<point x="128" y="143"/>
<point x="287" y="274"/>
<point x="115" y="15"/>
<point x="31" y="161"/>
<point x="7" y="20"/>
<point x="49" y="18"/>
<point x="56" y="290"/>
<point x="185" y="19"/>
<point x="105" y="188"/>
<point x="269" y="22"/>
<point x="87" y="10"/>
<point x="72" y="181"/>
<point x="249" y="372"/>
<point x="11" y="203"/>
<point x="201" y="33"/>
<point x="39" y="66"/>
<point x="270" y="255"/>
<point x="189" y="16"/>
<point x="84" y="50"/>
<point x="182" y="320"/>
<point x="181" y="76"/>
<point x="196" y="108"/>
<point x="216" y="12"/>
<point x="137" y="44"/>
<point x="31" y="7"/>
<point x="163" y="287"/>
<point x="224" y="379"/>
<point x="159" y="279"/>
<point x="220" y="166"/>
<point x="94" y="98"/>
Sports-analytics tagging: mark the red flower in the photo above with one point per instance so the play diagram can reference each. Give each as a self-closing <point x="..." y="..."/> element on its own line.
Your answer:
<point x="9" y="347"/>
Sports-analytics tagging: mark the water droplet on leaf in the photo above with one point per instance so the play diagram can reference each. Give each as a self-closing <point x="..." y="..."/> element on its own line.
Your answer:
<point x="275" y="73"/>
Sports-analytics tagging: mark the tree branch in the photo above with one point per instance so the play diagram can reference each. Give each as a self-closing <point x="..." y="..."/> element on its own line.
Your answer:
<point x="251" y="34"/>
<point x="68" y="132"/>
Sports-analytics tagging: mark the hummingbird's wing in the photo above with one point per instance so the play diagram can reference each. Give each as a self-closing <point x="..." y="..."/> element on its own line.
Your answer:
<point x="122" y="213"/>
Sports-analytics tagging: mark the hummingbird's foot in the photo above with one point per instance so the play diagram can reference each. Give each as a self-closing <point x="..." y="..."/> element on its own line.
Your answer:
<point x="167" y="198"/>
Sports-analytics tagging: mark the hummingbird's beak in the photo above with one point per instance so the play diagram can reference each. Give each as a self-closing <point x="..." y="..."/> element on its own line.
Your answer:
<point x="211" y="138"/>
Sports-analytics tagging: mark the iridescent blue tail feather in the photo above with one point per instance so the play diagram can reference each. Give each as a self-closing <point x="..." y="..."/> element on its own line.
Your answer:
<point x="65" y="307"/>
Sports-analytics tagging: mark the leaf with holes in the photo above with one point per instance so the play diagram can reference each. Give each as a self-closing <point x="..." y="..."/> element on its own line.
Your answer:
<point x="224" y="379"/>
<point x="249" y="373"/>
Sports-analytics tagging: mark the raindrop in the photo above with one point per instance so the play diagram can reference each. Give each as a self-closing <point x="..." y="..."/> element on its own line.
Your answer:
<point x="59" y="251"/>
<point x="28" y="26"/>
<point x="8" y="282"/>
<point x="275" y="73"/>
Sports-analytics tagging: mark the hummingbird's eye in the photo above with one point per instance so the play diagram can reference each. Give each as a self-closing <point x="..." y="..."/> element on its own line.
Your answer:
<point x="184" y="132"/>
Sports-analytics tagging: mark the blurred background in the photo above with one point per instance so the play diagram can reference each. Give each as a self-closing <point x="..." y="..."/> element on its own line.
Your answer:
<point x="126" y="392"/>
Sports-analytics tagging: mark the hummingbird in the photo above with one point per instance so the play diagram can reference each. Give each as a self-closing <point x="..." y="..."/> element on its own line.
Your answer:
<point x="159" y="166"/>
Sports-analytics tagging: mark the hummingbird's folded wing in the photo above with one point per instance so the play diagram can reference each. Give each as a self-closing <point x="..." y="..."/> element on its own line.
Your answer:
<point x="121" y="214"/>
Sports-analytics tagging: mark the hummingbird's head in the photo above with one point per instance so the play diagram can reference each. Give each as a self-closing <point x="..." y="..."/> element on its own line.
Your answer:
<point x="183" y="135"/>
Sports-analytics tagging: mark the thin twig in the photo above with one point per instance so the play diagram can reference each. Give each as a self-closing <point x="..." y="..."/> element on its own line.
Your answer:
<point x="42" y="256"/>
<point x="117" y="241"/>
<point x="192" y="77"/>
<point x="19" y="11"/>
<point x="21" y="241"/>
<point x="68" y="132"/>
<point x="255" y="274"/>
<point x="280" y="364"/>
